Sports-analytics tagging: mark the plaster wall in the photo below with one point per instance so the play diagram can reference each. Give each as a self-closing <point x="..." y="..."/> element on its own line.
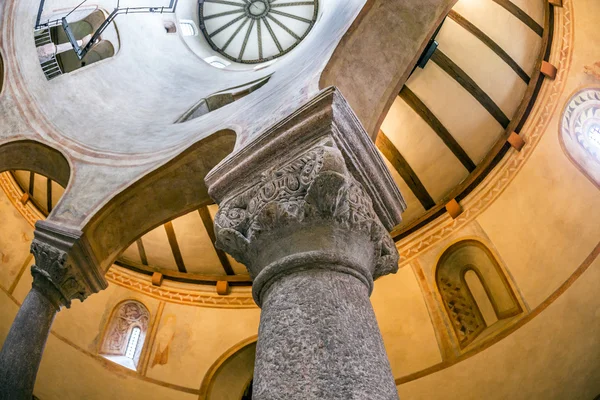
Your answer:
<point x="405" y="324"/>
<point x="553" y="357"/>
<point x="67" y="374"/>
<point x="542" y="228"/>
<point x="202" y="335"/>
<point x="15" y="238"/>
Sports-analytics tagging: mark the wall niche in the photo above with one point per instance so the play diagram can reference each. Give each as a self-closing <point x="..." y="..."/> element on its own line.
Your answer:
<point x="474" y="290"/>
<point x="125" y="334"/>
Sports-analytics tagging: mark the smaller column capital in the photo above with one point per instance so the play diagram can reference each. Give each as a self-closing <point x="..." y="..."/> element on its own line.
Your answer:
<point x="65" y="268"/>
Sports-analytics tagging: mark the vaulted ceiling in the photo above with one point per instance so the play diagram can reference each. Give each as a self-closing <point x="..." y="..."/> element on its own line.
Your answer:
<point x="453" y="117"/>
<point x="441" y="134"/>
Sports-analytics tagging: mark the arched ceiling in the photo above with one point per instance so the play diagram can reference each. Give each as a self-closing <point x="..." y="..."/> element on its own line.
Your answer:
<point x="453" y="116"/>
<point x="443" y="124"/>
<point x="442" y="127"/>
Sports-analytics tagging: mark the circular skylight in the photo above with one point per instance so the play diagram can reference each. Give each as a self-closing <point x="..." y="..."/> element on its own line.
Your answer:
<point x="255" y="31"/>
<point x="581" y="123"/>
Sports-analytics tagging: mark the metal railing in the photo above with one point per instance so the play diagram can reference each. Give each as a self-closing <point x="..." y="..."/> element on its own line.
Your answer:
<point x="50" y="67"/>
<point x="82" y="51"/>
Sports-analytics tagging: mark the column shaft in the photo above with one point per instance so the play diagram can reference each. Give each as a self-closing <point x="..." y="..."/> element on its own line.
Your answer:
<point x="22" y="351"/>
<point x="319" y="339"/>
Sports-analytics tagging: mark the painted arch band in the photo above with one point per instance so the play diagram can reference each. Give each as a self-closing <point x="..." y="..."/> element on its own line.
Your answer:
<point x="256" y="31"/>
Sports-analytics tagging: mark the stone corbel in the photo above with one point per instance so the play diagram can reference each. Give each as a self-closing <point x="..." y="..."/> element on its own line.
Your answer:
<point x="65" y="266"/>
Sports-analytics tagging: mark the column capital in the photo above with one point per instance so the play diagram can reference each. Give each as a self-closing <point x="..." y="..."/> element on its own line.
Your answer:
<point x="65" y="267"/>
<point x="311" y="191"/>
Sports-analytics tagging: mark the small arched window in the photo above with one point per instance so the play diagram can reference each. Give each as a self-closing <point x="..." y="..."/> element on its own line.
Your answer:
<point x="188" y="28"/>
<point x="134" y="339"/>
<point x="475" y="292"/>
<point x="580" y="132"/>
<point x="125" y="333"/>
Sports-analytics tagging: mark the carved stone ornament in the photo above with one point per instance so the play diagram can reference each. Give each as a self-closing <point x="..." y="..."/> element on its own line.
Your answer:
<point x="310" y="192"/>
<point x="313" y="190"/>
<point x="64" y="269"/>
<point x="54" y="277"/>
<point x="128" y="315"/>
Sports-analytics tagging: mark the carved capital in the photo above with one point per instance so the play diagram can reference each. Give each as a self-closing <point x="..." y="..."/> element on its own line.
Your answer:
<point x="314" y="190"/>
<point x="65" y="268"/>
<point x="310" y="192"/>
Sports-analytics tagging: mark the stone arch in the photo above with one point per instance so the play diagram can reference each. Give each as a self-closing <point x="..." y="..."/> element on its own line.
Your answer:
<point x="579" y="133"/>
<point x="125" y="333"/>
<point x="231" y="374"/>
<point x="152" y="200"/>
<point x="33" y="156"/>
<point x="351" y="69"/>
<point x="463" y="305"/>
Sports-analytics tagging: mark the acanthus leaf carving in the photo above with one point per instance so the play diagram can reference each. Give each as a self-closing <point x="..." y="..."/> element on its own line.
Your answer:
<point x="54" y="276"/>
<point x="313" y="187"/>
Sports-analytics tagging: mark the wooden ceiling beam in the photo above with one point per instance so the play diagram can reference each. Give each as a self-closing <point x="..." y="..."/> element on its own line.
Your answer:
<point x="425" y="113"/>
<point x="210" y="229"/>
<point x="521" y="15"/>
<point x="49" y="194"/>
<point x="31" y="182"/>
<point x="469" y="84"/>
<point x="385" y="145"/>
<point x="175" y="246"/>
<point x="142" y="251"/>
<point x="485" y="39"/>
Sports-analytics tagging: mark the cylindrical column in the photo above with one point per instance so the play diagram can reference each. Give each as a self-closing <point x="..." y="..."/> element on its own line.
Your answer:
<point x="22" y="351"/>
<point x="313" y="244"/>
<point x="319" y="339"/>
<point x="62" y="273"/>
<point x="307" y="207"/>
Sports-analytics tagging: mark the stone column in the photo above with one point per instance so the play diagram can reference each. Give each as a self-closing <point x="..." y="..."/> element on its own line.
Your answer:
<point x="62" y="272"/>
<point x="307" y="208"/>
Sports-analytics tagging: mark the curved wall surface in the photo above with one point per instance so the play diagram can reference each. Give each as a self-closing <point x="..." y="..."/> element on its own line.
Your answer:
<point x="536" y="212"/>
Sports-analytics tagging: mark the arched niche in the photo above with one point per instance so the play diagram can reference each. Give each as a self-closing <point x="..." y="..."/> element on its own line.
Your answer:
<point x="580" y="132"/>
<point x="125" y="334"/>
<point x="474" y="290"/>
<point x="221" y="99"/>
<point x="230" y="376"/>
<point x="100" y="51"/>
